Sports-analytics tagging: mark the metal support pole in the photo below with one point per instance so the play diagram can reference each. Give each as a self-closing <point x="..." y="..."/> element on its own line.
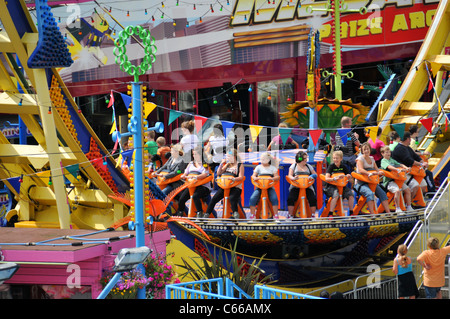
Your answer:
<point x="336" y="7"/>
<point x="110" y="285"/>
<point x="138" y="142"/>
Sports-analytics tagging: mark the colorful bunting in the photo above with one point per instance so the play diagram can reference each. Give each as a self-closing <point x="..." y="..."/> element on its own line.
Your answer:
<point x="254" y="131"/>
<point x="15" y="183"/>
<point x="284" y="134"/>
<point x="430" y="85"/>
<point x="428" y="124"/>
<point x="435" y="67"/>
<point x="227" y="126"/>
<point x="447" y="119"/>
<point x="116" y="144"/>
<point x="399" y="128"/>
<point x="73" y="169"/>
<point x="343" y="132"/>
<point x="126" y="99"/>
<point x="315" y="135"/>
<point x="111" y="100"/>
<point x="373" y="130"/>
<point x="199" y="122"/>
<point x="173" y="115"/>
<point x="148" y="108"/>
<point x="113" y="127"/>
<point x="119" y="160"/>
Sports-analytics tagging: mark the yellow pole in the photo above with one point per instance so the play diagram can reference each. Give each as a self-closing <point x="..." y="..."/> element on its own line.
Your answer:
<point x="52" y="147"/>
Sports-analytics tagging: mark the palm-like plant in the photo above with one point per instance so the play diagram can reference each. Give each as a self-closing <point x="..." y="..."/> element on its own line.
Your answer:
<point x="219" y="265"/>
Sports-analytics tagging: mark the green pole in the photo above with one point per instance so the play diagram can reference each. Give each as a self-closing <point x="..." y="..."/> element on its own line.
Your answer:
<point x="337" y="50"/>
<point x="336" y="7"/>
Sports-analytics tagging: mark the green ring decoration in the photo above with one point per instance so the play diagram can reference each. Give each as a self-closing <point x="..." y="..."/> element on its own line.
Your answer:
<point x="120" y="51"/>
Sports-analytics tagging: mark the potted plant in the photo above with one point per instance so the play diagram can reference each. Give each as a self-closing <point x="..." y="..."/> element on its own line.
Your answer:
<point x="153" y="276"/>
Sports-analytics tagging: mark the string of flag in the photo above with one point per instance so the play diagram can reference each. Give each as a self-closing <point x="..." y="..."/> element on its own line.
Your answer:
<point x="284" y="133"/>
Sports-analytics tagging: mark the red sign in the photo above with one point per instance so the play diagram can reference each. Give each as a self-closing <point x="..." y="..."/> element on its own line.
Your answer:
<point x="383" y="27"/>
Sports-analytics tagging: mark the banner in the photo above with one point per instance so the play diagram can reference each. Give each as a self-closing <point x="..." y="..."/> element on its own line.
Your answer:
<point x="227" y="126"/>
<point x="148" y="108"/>
<point x="315" y="135"/>
<point x="399" y="128"/>
<point x="254" y="131"/>
<point x="173" y="115"/>
<point x="343" y="133"/>
<point x="199" y="122"/>
<point x="284" y="133"/>
<point x="428" y="124"/>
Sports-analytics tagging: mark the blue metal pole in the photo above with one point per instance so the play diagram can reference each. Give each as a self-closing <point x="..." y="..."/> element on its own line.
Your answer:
<point x="110" y="285"/>
<point x="138" y="143"/>
<point x="313" y="123"/>
<point x="138" y="163"/>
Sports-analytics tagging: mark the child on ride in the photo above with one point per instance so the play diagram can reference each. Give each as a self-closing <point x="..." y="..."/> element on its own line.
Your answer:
<point x="388" y="163"/>
<point x="267" y="169"/>
<point x="163" y="150"/>
<point x="331" y="190"/>
<point x="174" y="166"/>
<point x="201" y="192"/>
<point x="301" y="167"/>
<point x="230" y="166"/>
<point x="365" y="165"/>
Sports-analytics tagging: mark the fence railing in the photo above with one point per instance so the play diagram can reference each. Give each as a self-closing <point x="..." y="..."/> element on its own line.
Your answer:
<point x="264" y="292"/>
<point x="218" y="289"/>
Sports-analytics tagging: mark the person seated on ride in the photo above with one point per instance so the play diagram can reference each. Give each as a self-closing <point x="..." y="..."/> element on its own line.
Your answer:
<point x="277" y="142"/>
<point x="376" y="147"/>
<point x="405" y="155"/>
<point x="151" y="146"/>
<point x="389" y="164"/>
<point x="429" y="179"/>
<point x="173" y="167"/>
<point x="229" y="166"/>
<point x="163" y="153"/>
<point x="414" y="131"/>
<point x="189" y="140"/>
<point x="394" y="139"/>
<point x="365" y="165"/>
<point x="200" y="169"/>
<point x="301" y="167"/>
<point x="215" y="149"/>
<point x="350" y="149"/>
<point x="216" y="145"/>
<point x="331" y="190"/>
<point x="268" y="167"/>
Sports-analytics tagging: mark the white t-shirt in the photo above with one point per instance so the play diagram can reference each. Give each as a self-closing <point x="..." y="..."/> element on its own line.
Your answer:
<point x="366" y="165"/>
<point x="265" y="170"/>
<point x="218" y="145"/>
<point x="191" y="168"/>
<point x="189" y="142"/>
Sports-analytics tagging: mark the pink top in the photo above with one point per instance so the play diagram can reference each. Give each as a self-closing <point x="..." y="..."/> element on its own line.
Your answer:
<point x="277" y="140"/>
<point x="376" y="146"/>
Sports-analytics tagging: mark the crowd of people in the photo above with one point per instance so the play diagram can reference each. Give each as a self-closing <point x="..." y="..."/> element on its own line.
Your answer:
<point x="217" y="156"/>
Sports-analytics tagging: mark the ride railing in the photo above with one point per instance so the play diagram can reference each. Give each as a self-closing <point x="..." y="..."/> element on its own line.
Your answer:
<point x="220" y="288"/>
<point x="216" y="288"/>
<point x="264" y="292"/>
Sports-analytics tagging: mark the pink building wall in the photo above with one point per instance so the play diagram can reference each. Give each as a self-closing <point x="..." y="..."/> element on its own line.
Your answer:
<point x="67" y="268"/>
